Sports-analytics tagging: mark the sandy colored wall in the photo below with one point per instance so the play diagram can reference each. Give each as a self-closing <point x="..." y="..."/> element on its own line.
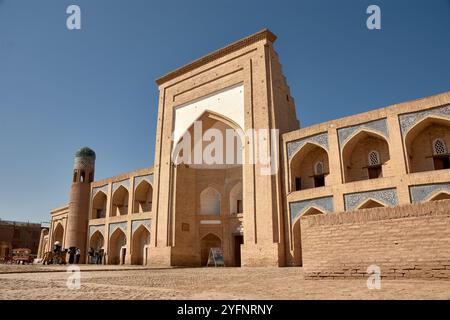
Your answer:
<point x="410" y="241"/>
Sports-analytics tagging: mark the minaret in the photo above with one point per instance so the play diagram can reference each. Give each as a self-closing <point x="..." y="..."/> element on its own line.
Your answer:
<point x="77" y="220"/>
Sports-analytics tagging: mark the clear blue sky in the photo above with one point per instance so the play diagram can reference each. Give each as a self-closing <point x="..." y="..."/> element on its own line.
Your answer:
<point x="61" y="90"/>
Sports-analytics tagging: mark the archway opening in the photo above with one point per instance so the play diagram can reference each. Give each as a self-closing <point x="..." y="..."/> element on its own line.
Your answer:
<point x="141" y="241"/>
<point x="207" y="167"/>
<point x="58" y="235"/>
<point x="441" y="196"/>
<point x="309" y="167"/>
<point x="120" y="202"/>
<point x="427" y="145"/>
<point x="370" y="203"/>
<point x="297" y="235"/>
<point x="99" y="205"/>
<point x="206" y="243"/>
<point x="97" y="241"/>
<point x="116" y="250"/>
<point x="365" y="156"/>
<point x="143" y="197"/>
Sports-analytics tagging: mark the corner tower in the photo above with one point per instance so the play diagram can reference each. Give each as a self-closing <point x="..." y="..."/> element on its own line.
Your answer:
<point x="77" y="220"/>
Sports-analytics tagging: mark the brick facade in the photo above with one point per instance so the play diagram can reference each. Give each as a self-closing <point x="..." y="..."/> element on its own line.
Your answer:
<point x="409" y="241"/>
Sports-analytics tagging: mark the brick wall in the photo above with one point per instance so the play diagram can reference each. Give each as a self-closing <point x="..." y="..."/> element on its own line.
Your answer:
<point x="410" y="241"/>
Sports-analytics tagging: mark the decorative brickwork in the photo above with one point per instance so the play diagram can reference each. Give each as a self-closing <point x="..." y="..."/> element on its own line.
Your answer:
<point x="297" y="208"/>
<point x="114" y="226"/>
<point x="93" y="229"/>
<point x="148" y="178"/>
<point x="124" y="183"/>
<point x="136" y="223"/>
<point x="319" y="139"/>
<point x="379" y="126"/>
<point x="407" y="121"/>
<point x="386" y="196"/>
<point x="422" y="193"/>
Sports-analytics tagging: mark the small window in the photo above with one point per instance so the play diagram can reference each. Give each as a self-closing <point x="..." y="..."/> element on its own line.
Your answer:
<point x="83" y="176"/>
<point x="374" y="158"/>
<point x="318" y="168"/>
<point x="439" y="147"/>
<point x="74" y="176"/>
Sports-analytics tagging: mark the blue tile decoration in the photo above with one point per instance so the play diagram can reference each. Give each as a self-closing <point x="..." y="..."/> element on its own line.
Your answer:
<point x="93" y="229"/>
<point x="104" y="189"/>
<point x="299" y="207"/>
<point x="114" y="226"/>
<point x="125" y="183"/>
<point x="321" y="139"/>
<point x="407" y="121"/>
<point x="148" y="178"/>
<point x="136" y="223"/>
<point x="385" y="196"/>
<point x="423" y="192"/>
<point x="379" y="126"/>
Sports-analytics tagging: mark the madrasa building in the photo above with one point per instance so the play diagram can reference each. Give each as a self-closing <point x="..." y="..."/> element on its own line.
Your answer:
<point x="335" y="197"/>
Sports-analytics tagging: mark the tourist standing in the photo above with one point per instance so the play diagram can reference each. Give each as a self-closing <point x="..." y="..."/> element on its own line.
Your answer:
<point x="77" y="255"/>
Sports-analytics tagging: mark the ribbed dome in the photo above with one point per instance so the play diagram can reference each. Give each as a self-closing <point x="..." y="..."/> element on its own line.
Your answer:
<point x="85" y="152"/>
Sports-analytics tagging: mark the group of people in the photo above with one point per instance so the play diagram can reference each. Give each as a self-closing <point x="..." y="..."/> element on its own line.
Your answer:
<point x="74" y="255"/>
<point x="95" y="256"/>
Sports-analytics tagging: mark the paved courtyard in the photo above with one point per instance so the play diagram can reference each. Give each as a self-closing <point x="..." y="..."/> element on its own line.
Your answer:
<point x="120" y="282"/>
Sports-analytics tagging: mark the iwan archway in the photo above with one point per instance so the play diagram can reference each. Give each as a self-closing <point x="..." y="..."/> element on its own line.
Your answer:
<point x="239" y="86"/>
<point x="206" y="199"/>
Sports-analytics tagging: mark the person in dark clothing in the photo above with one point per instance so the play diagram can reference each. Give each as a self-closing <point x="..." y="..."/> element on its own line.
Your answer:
<point x="100" y="256"/>
<point x="91" y="255"/>
<point x="71" y="255"/>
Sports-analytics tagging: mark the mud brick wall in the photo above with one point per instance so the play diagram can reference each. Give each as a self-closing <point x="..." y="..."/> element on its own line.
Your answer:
<point x="410" y="241"/>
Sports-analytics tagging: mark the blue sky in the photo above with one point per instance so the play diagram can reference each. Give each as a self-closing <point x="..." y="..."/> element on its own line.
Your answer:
<point x="61" y="90"/>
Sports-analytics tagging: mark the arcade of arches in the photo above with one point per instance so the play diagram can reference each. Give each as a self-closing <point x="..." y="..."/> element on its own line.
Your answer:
<point x="172" y="214"/>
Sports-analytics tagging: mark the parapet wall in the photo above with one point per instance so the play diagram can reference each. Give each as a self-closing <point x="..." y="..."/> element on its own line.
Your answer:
<point x="410" y="241"/>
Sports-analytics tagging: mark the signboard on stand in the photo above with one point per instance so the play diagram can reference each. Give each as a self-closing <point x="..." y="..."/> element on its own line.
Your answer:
<point x="215" y="258"/>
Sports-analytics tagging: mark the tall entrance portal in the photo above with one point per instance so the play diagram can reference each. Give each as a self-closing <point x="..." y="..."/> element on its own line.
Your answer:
<point x="216" y="174"/>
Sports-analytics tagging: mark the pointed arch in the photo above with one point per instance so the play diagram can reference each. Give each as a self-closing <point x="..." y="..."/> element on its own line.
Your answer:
<point x="420" y="145"/>
<point x="97" y="241"/>
<point x="371" y="203"/>
<point x="236" y="199"/>
<point x="99" y="202"/>
<point x="210" y="202"/>
<point x="440" y="195"/>
<point x="210" y="240"/>
<point x="120" y="201"/>
<point x="311" y="211"/>
<point x="296" y="231"/>
<point x="140" y="245"/>
<point x="303" y="165"/>
<point x="356" y="154"/>
<point x="116" y="248"/>
<point x="58" y="234"/>
<point x="143" y="197"/>
<point x="211" y="123"/>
